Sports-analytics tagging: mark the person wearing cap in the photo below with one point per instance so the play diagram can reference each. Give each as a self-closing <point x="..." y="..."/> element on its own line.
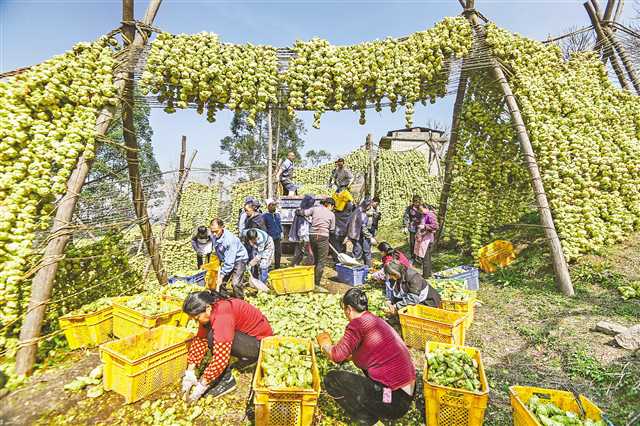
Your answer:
<point x="285" y="175"/>
<point x="323" y="223"/>
<point x="274" y="228"/>
<point x="341" y="177"/>
<point x="203" y="245"/>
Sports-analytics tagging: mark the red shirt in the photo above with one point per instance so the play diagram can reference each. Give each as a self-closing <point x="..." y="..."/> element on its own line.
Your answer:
<point x="231" y="315"/>
<point x="227" y="317"/>
<point x="399" y="256"/>
<point x="377" y="349"/>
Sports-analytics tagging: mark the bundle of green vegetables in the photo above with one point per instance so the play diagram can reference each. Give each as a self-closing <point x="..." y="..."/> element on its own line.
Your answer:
<point x="287" y="365"/>
<point x="454" y="368"/>
<point x="309" y="314"/>
<point x="180" y="289"/>
<point x="550" y="414"/>
<point x="452" y="290"/>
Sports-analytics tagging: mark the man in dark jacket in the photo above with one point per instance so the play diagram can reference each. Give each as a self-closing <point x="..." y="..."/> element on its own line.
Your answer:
<point x="359" y="234"/>
<point x="411" y="219"/>
<point x="274" y="228"/>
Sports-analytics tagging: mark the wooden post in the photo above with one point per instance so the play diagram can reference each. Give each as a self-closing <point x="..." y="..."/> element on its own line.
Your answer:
<point x="372" y="171"/>
<point x="183" y="153"/>
<point x="276" y="154"/>
<point x="269" y="155"/>
<point x="42" y="283"/>
<point x="131" y="142"/>
<point x="608" y="50"/>
<point x="563" y="279"/>
<point x="174" y="203"/>
<point x="451" y="152"/>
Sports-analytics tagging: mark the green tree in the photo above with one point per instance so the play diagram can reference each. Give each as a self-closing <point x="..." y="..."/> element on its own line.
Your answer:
<point x="315" y="158"/>
<point x="246" y="147"/>
<point x="106" y="195"/>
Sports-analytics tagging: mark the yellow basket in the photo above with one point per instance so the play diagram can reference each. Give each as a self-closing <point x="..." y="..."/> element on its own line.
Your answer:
<point x="421" y="324"/>
<point x="135" y="377"/>
<point x="183" y="319"/>
<point x="127" y="322"/>
<point x="466" y="307"/>
<point x="298" y="279"/>
<point x="285" y="406"/>
<point x="212" y="269"/>
<point x="88" y="329"/>
<point x="520" y="395"/>
<point x="499" y="252"/>
<point x="447" y="406"/>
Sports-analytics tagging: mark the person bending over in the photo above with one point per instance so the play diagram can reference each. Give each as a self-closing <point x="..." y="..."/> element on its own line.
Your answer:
<point x="386" y="389"/>
<point x="227" y="327"/>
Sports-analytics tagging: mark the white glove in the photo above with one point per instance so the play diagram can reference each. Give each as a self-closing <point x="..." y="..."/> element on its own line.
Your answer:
<point x="374" y="241"/>
<point x="198" y="391"/>
<point x="188" y="380"/>
<point x="254" y="262"/>
<point x="405" y="230"/>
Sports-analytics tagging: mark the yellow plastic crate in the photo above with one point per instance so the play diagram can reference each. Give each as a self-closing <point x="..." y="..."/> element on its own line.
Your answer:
<point x="177" y="302"/>
<point x="141" y="364"/>
<point x="520" y="395"/>
<point x="212" y="269"/>
<point x="298" y="279"/>
<point x="421" y="324"/>
<point x="499" y="252"/>
<point x="285" y="406"/>
<point x="127" y="322"/>
<point x="447" y="406"/>
<point x="88" y="329"/>
<point x="466" y="307"/>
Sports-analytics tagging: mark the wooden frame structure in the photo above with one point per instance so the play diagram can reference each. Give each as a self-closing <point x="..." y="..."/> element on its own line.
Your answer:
<point x="42" y="284"/>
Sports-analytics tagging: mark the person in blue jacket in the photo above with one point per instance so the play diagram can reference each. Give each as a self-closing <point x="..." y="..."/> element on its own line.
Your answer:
<point x="274" y="228"/>
<point x="233" y="258"/>
<point x="262" y="253"/>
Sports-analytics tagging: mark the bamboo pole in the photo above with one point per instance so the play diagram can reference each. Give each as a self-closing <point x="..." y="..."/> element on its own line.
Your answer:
<point x="619" y="48"/>
<point x="372" y="170"/>
<point x="563" y="279"/>
<point x="42" y="283"/>
<point x="608" y="51"/>
<point x="451" y="152"/>
<point x="183" y="154"/>
<point x="131" y="142"/>
<point x="269" y="155"/>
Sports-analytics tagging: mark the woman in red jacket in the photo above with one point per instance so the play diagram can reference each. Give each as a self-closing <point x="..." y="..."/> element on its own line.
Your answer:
<point x="386" y="390"/>
<point x="227" y="327"/>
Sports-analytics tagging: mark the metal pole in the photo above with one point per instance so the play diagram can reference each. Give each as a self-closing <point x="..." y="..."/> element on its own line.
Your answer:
<point x="269" y="155"/>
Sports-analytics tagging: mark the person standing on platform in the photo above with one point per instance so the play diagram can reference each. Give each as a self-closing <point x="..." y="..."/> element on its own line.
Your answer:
<point x="285" y="175"/>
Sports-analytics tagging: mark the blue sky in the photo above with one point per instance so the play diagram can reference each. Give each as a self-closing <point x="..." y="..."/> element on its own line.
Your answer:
<point x="32" y="31"/>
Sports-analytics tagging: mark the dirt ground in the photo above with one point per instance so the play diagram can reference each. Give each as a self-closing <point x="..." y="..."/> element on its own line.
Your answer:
<point x="527" y="332"/>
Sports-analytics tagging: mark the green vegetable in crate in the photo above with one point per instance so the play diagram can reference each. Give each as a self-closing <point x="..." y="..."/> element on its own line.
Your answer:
<point x="92" y="307"/>
<point x="147" y="305"/>
<point x="454" y="368"/>
<point x="287" y="365"/>
<point x="179" y="289"/>
<point x="451" y="272"/>
<point x="550" y="414"/>
<point x="455" y="290"/>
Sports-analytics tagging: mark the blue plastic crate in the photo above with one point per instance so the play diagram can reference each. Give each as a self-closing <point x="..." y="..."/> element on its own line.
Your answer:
<point x="197" y="279"/>
<point x="352" y="275"/>
<point x="471" y="276"/>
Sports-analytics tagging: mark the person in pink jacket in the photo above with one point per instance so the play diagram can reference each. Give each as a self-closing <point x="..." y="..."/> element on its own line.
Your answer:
<point x="425" y="237"/>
